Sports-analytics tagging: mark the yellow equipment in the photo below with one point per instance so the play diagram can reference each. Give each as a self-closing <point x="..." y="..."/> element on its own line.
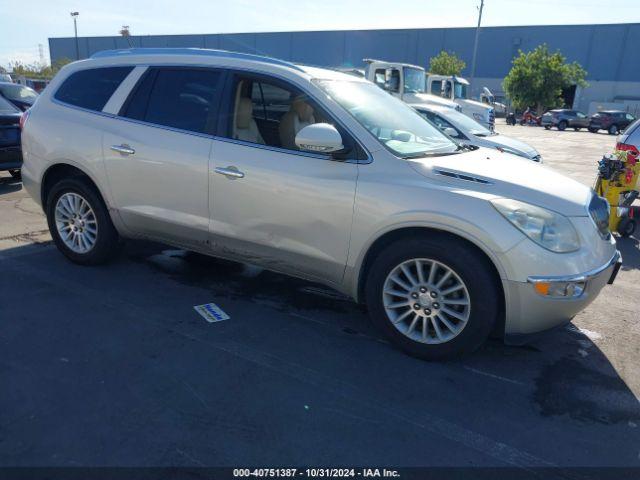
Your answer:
<point x="617" y="182"/>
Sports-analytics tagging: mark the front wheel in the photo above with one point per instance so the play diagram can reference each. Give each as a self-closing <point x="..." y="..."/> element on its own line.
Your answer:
<point x="562" y="125"/>
<point x="547" y="127"/>
<point x="434" y="298"/>
<point x="613" y="130"/>
<point x="593" y="130"/>
<point x="577" y="129"/>
<point x="79" y="222"/>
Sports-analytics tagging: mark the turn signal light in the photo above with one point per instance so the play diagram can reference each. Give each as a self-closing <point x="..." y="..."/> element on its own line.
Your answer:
<point x="559" y="289"/>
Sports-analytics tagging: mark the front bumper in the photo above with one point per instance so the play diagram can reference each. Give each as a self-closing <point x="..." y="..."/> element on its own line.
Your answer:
<point x="530" y="312"/>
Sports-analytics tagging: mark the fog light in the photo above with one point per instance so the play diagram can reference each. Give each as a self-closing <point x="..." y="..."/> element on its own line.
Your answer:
<point x="559" y="289"/>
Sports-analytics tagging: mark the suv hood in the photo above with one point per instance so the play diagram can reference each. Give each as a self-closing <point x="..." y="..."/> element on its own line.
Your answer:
<point x="427" y="99"/>
<point x="508" y="176"/>
<point x="508" y="142"/>
<point x="475" y="104"/>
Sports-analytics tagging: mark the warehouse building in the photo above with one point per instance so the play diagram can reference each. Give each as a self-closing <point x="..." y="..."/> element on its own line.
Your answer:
<point x="609" y="53"/>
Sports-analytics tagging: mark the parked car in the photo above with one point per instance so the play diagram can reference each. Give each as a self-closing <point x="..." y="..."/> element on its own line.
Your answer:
<point x="21" y="96"/>
<point x="469" y="132"/>
<point x="5" y="77"/>
<point x="10" y="153"/>
<point x="565" y="118"/>
<point x="347" y="186"/>
<point x="613" y="121"/>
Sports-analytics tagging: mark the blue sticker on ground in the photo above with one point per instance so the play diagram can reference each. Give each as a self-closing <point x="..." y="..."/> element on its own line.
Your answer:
<point x="211" y="312"/>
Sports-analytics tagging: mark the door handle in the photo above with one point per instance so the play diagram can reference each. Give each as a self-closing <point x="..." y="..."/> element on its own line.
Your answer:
<point x="123" y="149"/>
<point x="231" y="172"/>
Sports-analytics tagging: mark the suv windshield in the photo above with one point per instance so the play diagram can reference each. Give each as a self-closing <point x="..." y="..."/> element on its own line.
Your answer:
<point x="396" y="125"/>
<point x="465" y="122"/>
<point x="414" y="80"/>
<point x="19" y="93"/>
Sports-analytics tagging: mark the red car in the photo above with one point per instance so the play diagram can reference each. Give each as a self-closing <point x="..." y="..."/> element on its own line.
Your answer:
<point x="613" y="121"/>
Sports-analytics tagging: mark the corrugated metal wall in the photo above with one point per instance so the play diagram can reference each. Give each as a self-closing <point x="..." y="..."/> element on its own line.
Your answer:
<point x="607" y="52"/>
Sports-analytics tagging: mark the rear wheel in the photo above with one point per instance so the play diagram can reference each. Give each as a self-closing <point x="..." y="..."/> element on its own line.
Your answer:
<point x="593" y="130"/>
<point x="434" y="298"/>
<point x="613" y="130"/>
<point x="547" y="127"/>
<point x="562" y="125"/>
<point x="577" y="129"/>
<point x="16" y="174"/>
<point x="79" y="222"/>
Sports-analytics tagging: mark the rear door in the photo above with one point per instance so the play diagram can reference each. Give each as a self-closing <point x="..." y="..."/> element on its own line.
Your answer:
<point x="157" y="153"/>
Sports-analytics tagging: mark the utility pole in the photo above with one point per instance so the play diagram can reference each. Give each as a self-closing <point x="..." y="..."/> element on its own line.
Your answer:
<point x="74" y="15"/>
<point x="41" y="54"/>
<point x="475" y="46"/>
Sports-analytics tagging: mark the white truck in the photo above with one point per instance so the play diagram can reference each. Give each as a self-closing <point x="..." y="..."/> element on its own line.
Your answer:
<point x="414" y="86"/>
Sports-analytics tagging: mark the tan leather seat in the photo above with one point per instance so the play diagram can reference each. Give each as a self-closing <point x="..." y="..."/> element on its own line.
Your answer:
<point x="300" y="115"/>
<point x="245" y="127"/>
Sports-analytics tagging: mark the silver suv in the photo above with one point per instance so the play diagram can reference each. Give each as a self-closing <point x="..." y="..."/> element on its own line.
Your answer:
<point x="316" y="174"/>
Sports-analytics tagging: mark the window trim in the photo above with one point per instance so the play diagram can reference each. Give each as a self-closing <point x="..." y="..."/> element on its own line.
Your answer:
<point x="56" y="100"/>
<point x="226" y="106"/>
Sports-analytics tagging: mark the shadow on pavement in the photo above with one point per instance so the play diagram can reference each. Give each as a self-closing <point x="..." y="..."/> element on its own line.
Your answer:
<point x="111" y="365"/>
<point x="9" y="185"/>
<point x="630" y="249"/>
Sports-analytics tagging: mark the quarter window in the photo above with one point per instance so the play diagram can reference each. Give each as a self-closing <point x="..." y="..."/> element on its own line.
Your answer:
<point x="186" y="99"/>
<point x="92" y="89"/>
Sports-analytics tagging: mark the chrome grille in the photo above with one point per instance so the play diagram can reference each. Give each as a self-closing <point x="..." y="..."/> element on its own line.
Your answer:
<point x="599" y="211"/>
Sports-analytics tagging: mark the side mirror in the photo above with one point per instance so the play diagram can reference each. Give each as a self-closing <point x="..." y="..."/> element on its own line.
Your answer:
<point x="452" y="132"/>
<point x="320" y="138"/>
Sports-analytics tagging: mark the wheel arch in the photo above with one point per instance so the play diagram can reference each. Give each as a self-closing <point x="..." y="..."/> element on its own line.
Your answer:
<point x="61" y="170"/>
<point x="400" y="233"/>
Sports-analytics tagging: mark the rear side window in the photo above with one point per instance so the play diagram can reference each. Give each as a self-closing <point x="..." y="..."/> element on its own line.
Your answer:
<point x="92" y="89"/>
<point x="177" y="97"/>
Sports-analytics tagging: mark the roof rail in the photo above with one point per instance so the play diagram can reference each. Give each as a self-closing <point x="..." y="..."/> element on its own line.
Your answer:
<point x="193" y="51"/>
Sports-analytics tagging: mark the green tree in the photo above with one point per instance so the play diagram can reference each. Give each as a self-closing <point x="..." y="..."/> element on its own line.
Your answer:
<point x="446" y="63"/>
<point x="35" y="70"/>
<point x="538" y="77"/>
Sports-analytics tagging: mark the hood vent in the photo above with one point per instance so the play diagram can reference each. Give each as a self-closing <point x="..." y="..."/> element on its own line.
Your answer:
<point x="461" y="176"/>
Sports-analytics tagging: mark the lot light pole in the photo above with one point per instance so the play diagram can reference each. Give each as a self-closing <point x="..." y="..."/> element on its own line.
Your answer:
<point x="74" y="15"/>
<point x="475" y="46"/>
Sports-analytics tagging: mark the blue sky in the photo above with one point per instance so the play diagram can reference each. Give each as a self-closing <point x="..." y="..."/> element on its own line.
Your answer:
<point x="25" y="24"/>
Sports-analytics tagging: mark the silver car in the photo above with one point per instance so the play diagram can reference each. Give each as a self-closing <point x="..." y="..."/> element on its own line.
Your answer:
<point x="316" y="174"/>
<point x="467" y="131"/>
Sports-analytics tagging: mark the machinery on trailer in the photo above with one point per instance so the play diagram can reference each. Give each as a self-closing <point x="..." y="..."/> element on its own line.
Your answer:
<point x="617" y="181"/>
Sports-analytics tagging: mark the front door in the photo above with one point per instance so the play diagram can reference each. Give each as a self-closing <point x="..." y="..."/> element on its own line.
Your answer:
<point x="282" y="208"/>
<point x="157" y="154"/>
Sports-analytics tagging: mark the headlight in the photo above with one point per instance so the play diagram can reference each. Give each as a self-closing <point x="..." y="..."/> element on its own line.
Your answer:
<point x="548" y="229"/>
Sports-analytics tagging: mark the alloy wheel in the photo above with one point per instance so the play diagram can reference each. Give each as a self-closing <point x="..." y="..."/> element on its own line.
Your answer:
<point x="426" y="301"/>
<point x="76" y="222"/>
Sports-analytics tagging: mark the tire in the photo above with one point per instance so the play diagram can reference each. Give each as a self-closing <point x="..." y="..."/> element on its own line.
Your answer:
<point x="16" y="174"/>
<point x="627" y="227"/>
<point x="577" y="129"/>
<point x="547" y="127"/>
<point x="613" y="130"/>
<point x="106" y="237"/>
<point x="593" y="130"/>
<point x="562" y="125"/>
<point x="469" y="268"/>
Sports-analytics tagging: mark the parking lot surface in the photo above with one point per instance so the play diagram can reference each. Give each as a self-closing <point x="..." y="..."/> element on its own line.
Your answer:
<point x="112" y="366"/>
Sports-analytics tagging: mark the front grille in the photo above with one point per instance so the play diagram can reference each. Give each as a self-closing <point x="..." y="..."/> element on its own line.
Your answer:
<point x="599" y="211"/>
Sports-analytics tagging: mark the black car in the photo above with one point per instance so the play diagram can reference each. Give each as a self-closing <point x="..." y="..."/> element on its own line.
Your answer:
<point x="21" y="96"/>
<point x="613" y="121"/>
<point x="10" y="151"/>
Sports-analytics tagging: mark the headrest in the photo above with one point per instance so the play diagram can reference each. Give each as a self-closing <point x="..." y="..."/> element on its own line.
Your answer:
<point x="302" y="108"/>
<point x="244" y="113"/>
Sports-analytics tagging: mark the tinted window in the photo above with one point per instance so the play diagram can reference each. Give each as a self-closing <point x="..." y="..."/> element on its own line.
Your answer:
<point x="19" y="93"/>
<point x="91" y="89"/>
<point x="179" y="98"/>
